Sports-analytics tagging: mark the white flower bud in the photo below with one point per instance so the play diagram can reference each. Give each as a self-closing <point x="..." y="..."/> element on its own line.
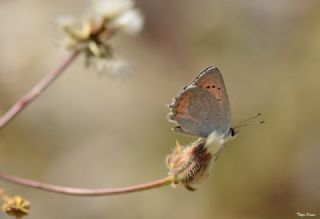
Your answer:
<point x="130" y="22"/>
<point x="112" y="8"/>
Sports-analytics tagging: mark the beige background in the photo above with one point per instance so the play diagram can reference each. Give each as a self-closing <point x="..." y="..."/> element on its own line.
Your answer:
<point x="92" y="131"/>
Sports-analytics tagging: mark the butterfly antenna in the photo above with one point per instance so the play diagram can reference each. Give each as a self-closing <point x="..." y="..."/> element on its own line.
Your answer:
<point x="244" y="124"/>
<point x="248" y="124"/>
<point x="250" y="118"/>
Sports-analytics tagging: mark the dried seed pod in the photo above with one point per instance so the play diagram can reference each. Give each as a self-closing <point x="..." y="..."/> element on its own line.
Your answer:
<point x="189" y="165"/>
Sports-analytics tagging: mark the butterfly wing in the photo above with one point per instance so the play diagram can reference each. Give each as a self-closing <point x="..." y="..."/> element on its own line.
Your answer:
<point x="192" y="110"/>
<point x="211" y="80"/>
<point x="203" y="106"/>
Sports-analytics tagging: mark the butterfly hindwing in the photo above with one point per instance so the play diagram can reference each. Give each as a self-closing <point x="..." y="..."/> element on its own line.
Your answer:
<point x="192" y="110"/>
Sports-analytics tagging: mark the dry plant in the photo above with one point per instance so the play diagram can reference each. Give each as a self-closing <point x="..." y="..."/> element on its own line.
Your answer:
<point x="90" y="36"/>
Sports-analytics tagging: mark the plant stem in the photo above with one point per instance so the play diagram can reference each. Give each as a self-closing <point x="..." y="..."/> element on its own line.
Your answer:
<point x="23" y="102"/>
<point x="86" y="192"/>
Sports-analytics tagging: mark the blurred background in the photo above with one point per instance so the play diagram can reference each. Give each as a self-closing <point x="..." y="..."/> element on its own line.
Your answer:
<point x="92" y="131"/>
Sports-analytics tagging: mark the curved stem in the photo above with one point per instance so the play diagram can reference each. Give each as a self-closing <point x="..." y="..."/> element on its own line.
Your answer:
<point x="86" y="192"/>
<point x="36" y="90"/>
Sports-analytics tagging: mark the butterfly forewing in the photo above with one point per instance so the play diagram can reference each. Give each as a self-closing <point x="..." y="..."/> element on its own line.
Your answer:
<point x="211" y="80"/>
<point x="203" y="107"/>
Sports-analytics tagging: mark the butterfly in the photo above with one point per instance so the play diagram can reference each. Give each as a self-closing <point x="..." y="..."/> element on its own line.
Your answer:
<point x="202" y="107"/>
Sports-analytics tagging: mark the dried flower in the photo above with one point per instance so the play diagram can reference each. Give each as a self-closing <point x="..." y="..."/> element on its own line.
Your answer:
<point x="16" y="206"/>
<point x="189" y="165"/>
<point x="92" y="34"/>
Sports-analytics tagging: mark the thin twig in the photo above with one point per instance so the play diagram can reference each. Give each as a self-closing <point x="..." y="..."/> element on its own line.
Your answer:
<point x="36" y="90"/>
<point x="85" y="192"/>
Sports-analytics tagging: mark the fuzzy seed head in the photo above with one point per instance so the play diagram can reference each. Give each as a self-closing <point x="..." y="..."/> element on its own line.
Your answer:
<point x="189" y="165"/>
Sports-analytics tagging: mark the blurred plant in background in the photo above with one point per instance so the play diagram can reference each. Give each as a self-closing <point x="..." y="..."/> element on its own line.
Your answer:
<point x="92" y="35"/>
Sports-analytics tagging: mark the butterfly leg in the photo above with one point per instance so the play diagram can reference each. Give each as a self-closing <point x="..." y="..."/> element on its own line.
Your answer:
<point x="178" y="129"/>
<point x="190" y="188"/>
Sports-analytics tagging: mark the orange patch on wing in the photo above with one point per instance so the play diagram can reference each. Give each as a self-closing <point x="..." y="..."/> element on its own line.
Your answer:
<point x="183" y="103"/>
<point x="182" y="106"/>
<point x="208" y="82"/>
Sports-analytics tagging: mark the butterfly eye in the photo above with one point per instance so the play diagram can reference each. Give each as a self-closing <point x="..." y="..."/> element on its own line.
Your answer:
<point x="232" y="132"/>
